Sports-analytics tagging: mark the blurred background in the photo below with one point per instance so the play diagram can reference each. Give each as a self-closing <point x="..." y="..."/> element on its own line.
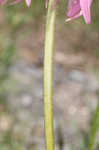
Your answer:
<point x="76" y="77"/>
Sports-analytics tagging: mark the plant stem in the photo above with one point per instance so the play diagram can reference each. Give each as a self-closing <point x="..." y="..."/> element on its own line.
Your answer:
<point x="48" y="71"/>
<point x="95" y="126"/>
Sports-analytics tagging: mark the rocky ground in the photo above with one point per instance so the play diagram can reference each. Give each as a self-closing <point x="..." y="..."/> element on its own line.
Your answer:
<point x="74" y="100"/>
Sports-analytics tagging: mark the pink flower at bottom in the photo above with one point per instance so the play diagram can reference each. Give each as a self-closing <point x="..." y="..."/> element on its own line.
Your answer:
<point x="77" y="8"/>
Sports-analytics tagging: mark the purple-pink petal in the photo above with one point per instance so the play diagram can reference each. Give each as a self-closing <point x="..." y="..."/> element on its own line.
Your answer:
<point x="85" y="7"/>
<point x="74" y="9"/>
<point x="2" y="2"/>
<point x="46" y="3"/>
<point x="28" y="2"/>
<point x="55" y="3"/>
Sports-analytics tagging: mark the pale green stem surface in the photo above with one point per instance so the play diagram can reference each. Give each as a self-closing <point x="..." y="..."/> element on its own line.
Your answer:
<point x="48" y="71"/>
<point x="95" y="126"/>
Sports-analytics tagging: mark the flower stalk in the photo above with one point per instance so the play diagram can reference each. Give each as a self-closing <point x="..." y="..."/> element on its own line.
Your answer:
<point x="95" y="126"/>
<point x="48" y="73"/>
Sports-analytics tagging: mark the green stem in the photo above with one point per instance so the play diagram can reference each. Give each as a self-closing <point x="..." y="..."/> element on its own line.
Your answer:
<point x="48" y="69"/>
<point x="94" y="128"/>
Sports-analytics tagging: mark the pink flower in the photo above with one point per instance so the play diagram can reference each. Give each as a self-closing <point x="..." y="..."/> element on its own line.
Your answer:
<point x="77" y="8"/>
<point x="28" y="2"/>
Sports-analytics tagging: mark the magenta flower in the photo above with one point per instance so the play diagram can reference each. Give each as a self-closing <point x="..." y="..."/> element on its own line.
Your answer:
<point x="77" y="8"/>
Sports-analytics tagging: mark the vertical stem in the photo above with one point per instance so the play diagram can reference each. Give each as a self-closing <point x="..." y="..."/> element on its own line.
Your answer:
<point x="48" y="69"/>
<point x="95" y="126"/>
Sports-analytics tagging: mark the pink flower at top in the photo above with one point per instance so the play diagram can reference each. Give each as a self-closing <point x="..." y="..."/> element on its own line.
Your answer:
<point x="77" y="8"/>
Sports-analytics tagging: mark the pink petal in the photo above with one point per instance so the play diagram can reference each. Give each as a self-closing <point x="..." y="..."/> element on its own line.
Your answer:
<point x="28" y="2"/>
<point x="55" y="3"/>
<point x="70" y="3"/>
<point x="74" y="8"/>
<point x="74" y="17"/>
<point x="2" y="2"/>
<point x="85" y="7"/>
<point x="46" y="3"/>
